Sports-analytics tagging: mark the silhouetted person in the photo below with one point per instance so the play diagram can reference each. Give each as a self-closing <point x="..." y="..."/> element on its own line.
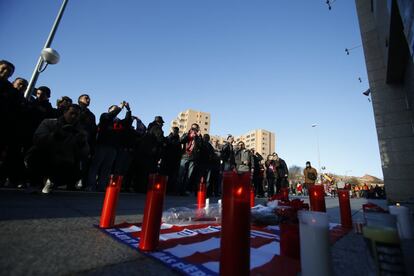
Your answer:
<point x="189" y="173"/>
<point x="257" y="181"/>
<point x="58" y="146"/>
<point x="107" y="143"/>
<point x="172" y="159"/>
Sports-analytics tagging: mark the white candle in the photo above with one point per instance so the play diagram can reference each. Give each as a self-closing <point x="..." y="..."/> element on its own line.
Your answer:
<point x="315" y="252"/>
<point x="404" y="223"/>
<point x="207" y="203"/>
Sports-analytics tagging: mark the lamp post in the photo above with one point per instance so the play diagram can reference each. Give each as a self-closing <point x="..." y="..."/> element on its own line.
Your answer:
<point x="317" y="147"/>
<point x="48" y="55"/>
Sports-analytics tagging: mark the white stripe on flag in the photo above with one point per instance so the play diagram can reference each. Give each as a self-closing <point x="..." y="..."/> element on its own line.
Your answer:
<point x="262" y="255"/>
<point x="130" y="229"/>
<point x="258" y="256"/>
<point x="178" y="235"/>
<point x="182" y="251"/>
<point x="166" y="226"/>
<point x="333" y="225"/>
<point x="255" y="233"/>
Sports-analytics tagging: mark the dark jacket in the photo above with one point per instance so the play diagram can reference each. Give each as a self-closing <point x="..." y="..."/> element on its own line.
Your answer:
<point x="153" y="142"/>
<point x="60" y="142"/>
<point x="207" y="155"/>
<point x="110" y="128"/>
<point x="243" y="160"/>
<point x="256" y="159"/>
<point x="227" y="156"/>
<point x="87" y="122"/>
<point x="38" y="111"/>
<point x="282" y="169"/>
<point x="271" y="169"/>
<point x="9" y="105"/>
<point x="194" y="154"/>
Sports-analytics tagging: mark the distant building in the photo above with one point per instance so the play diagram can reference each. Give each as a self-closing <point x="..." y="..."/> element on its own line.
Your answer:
<point x="387" y="31"/>
<point x="186" y="118"/>
<point x="262" y="141"/>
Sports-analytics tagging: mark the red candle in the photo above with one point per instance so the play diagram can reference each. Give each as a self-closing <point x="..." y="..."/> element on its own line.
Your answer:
<point x="345" y="208"/>
<point x="289" y="240"/>
<point x="151" y="224"/>
<point x="110" y="202"/>
<point x="252" y="196"/>
<point x="285" y="193"/>
<point x="235" y="231"/>
<point x="317" y="198"/>
<point x="201" y="194"/>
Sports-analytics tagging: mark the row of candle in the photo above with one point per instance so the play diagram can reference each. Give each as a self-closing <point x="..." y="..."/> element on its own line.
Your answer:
<point x="238" y="195"/>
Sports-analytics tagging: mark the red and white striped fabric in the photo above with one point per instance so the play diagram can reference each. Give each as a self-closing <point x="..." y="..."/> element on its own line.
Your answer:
<point x="195" y="249"/>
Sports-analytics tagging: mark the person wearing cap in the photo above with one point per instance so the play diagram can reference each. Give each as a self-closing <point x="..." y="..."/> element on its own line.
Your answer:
<point x="310" y="175"/>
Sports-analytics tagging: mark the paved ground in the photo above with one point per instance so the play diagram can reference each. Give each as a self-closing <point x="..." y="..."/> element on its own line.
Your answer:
<point x="53" y="235"/>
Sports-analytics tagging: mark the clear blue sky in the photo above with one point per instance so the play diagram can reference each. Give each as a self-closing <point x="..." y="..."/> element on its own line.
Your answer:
<point x="272" y="64"/>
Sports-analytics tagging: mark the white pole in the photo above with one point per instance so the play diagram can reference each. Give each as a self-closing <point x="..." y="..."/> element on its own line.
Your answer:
<point x="29" y="91"/>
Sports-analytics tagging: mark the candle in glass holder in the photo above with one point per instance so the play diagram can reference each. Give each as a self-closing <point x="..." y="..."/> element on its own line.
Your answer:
<point x="317" y="198"/>
<point x="285" y="194"/>
<point x="314" y="243"/>
<point x="201" y="194"/>
<point x="110" y="202"/>
<point x="235" y="230"/>
<point x="252" y="196"/>
<point x="153" y="212"/>
<point x="404" y="221"/>
<point x="289" y="240"/>
<point x="345" y="208"/>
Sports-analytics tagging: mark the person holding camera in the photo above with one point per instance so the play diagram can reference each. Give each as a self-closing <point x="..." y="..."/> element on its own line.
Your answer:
<point x="189" y="171"/>
<point x="107" y="144"/>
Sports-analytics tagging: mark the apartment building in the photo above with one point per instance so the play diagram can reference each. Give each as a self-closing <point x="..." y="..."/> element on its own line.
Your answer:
<point x="186" y="118"/>
<point x="262" y="141"/>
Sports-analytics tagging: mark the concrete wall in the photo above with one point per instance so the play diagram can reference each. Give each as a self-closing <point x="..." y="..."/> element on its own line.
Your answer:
<point x="392" y="102"/>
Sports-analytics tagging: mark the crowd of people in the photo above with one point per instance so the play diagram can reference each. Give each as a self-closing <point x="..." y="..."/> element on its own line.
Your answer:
<point x="45" y="147"/>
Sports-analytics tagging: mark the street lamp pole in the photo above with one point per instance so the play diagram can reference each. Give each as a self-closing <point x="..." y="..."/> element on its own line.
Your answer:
<point x="29" y="91"/>
<point x="317" y="146"/>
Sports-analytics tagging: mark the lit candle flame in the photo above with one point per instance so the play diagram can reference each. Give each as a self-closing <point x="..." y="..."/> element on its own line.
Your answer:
<point x="398" y="205"/>
<point x="157" y="186"/>
<point x="239" y="191"/>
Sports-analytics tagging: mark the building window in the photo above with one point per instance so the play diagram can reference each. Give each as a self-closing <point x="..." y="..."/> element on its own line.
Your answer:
<point x="206" y="117"/>
<point x="205" y="129"/>
<point x="263" y="149"/>
<point x="253" y="134"/>
<point x="252" y="139"/>
<point x="248" y="136"/>
<point x="206" y="123"/>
